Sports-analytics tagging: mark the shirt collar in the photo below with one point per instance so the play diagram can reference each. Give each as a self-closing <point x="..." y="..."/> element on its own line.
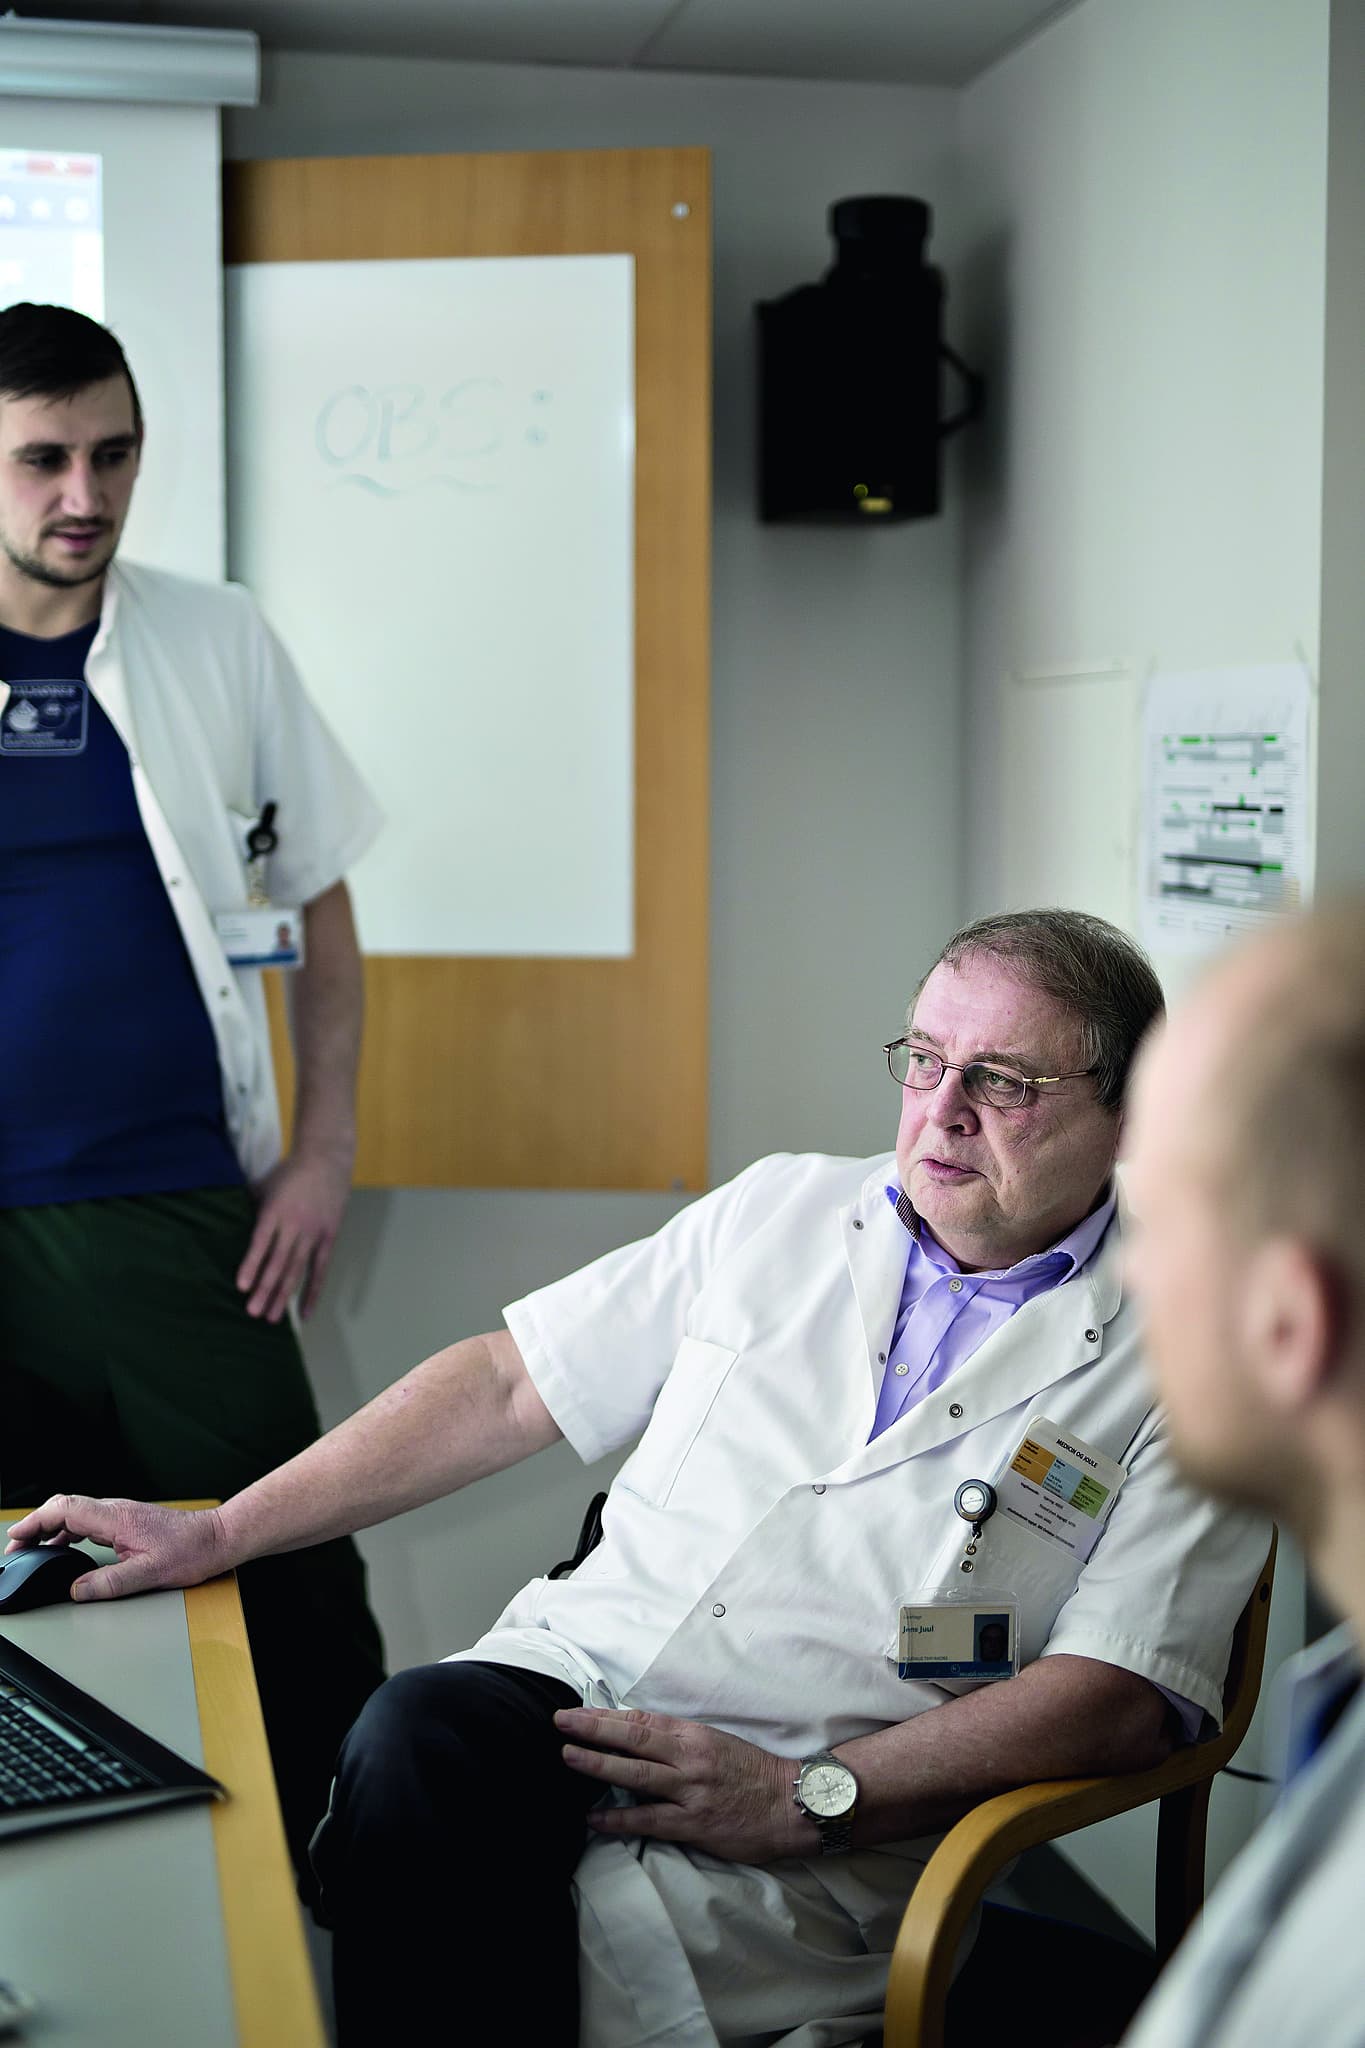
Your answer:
<point x="1074" y="1249"/>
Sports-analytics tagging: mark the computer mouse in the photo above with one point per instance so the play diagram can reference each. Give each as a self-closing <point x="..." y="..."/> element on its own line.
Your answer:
<point x="40" y="1576"/>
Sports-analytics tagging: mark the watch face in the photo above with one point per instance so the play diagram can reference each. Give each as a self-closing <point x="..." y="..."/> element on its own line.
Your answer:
<point x="827" y="1790"/>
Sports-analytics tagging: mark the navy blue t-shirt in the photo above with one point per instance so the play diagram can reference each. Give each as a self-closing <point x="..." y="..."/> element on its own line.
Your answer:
<point x="109" y="1078"/>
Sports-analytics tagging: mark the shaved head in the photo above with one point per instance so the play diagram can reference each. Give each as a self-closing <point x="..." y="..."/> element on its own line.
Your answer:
<point x="1287" y="1110"/>
<point x="1248" y="1143"/>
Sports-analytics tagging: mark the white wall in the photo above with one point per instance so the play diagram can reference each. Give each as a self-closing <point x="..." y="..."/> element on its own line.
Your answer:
<point x="1341" y="811"/>
<point x="1142" y="273"/>
<point x="836" y="862"/>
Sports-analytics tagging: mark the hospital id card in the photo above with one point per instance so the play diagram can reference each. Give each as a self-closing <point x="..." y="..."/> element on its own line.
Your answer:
<point x="947" y="1634"/>
<point x="1060" y="1486"/>
<point x="264" y="935"/>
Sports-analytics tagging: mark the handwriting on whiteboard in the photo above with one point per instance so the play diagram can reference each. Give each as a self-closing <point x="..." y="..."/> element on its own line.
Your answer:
<point x="392" y="439"/>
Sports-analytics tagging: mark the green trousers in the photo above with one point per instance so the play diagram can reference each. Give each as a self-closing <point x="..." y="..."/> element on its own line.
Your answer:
<point x="128" y="1365"/>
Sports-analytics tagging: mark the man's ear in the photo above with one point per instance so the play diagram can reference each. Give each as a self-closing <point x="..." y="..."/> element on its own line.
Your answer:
<point x="1289" y="1322"/>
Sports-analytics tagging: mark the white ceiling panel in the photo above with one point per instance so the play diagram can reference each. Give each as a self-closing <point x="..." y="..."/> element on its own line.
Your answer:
<point x="914" y="42"/>
<point x="607" y="33"/>
<point x="908" y="42"/>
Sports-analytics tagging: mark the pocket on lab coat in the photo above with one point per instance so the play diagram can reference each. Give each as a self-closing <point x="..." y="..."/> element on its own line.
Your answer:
<point x="698" y="1373"/>
<point x="1036" y="1571"/>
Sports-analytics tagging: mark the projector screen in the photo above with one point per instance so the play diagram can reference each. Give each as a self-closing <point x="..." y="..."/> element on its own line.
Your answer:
<point x="52" y="229"/>
<point x="115" y="209"/>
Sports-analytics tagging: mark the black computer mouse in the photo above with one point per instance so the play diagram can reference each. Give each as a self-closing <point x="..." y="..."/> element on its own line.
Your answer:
<point x="38" y="1577"/>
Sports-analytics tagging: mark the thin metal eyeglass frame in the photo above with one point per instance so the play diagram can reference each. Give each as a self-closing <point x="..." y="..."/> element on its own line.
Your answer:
<point x="1026" y="1081"/>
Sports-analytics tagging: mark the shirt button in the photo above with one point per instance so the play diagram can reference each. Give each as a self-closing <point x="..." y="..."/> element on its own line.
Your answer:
<point x="718" y="1609"/>
<point x="1092" y="1336"/>
<point x="819" y="1486"/>
<point x="954" y="1287"/>
<point x="955" y="1410"/>
<point x="901" y="1371"/>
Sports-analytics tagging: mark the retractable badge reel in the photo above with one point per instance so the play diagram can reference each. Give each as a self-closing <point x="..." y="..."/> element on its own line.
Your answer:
<point x="264" y="934"/>
<point x="962" y="1631"/>
<point x="261" y="842"/>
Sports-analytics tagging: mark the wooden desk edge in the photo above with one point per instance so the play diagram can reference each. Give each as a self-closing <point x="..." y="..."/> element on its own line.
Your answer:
<point x="273" y="1989"/>
<point x="273" y="1992"/>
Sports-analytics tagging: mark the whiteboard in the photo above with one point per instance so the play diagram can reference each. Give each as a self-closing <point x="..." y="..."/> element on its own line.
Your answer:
<point x="431" y="494"/>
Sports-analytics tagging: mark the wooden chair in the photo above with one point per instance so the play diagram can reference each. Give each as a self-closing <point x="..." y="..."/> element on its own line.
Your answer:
<point x="984" y="1840"/>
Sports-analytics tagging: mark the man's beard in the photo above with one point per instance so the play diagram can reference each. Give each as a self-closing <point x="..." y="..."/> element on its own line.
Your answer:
<point x="57" y="579"/>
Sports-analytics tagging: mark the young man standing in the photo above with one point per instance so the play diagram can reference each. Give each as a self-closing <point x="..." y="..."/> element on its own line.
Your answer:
<point x="151" y="1235"/>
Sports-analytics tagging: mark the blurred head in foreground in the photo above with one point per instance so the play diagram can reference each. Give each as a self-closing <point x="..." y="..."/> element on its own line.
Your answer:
<point x="1247" y="1174"/>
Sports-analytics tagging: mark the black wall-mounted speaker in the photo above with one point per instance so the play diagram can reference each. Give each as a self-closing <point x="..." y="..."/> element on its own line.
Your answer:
<point x="850" y="423"/>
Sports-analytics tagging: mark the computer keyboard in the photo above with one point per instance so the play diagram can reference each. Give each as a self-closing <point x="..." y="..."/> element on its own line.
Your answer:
<point x="66" y="1757"/>
<point x="44" y="1759"/>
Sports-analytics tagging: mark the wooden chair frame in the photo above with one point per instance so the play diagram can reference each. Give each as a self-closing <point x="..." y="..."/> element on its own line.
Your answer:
<point x="974" y="1851"/>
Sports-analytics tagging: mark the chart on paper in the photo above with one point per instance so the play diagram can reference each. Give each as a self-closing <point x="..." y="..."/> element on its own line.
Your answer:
<point x="1226" y="833"/>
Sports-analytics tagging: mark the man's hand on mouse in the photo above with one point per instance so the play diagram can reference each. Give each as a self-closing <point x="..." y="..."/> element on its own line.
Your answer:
<point x="156" y="1546"/>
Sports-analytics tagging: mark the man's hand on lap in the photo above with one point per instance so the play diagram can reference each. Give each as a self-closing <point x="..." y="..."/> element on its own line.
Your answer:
<point x="692" y="1784"/>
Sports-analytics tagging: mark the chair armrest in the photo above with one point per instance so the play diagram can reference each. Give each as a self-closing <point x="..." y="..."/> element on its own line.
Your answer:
<point x="978" y="1847"/>
<point x="972" y="1853"/>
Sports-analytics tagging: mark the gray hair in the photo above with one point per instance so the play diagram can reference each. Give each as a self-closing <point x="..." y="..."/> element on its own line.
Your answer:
<point x="1089" y="966"/>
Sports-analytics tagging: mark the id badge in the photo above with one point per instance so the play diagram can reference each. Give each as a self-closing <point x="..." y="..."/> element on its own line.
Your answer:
<point x="972" y="1635"/>
<point x="1060" y="1487"/>
<point x="262" y="935"/>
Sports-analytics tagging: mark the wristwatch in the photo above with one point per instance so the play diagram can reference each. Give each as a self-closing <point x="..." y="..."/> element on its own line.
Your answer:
<point x="828" y="1791"/>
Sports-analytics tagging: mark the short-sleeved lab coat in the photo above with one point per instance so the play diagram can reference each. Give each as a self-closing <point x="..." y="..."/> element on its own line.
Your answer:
<point x="217" y="724"/>
<point x="756" y="1549"/>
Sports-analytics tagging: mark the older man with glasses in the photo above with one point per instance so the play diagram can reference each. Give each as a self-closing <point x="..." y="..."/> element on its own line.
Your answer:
<point x="901" y="1530"/>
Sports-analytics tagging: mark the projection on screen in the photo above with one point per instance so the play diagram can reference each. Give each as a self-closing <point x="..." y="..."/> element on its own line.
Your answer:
<point x="52" y="230"/>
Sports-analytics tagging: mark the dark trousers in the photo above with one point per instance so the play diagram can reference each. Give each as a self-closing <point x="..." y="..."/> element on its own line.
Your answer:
<point x="128" y="1365"/>
<point x="446" y="1859"/>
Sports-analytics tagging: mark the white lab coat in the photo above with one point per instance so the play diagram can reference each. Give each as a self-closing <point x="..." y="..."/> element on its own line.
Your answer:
<point x="217" y="724"/>
<point x="1276" y="1955"/>
<point x="756" y="1548"/>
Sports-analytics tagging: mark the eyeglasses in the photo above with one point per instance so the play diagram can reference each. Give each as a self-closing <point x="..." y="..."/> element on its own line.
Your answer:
<point x="915" y="1066"/>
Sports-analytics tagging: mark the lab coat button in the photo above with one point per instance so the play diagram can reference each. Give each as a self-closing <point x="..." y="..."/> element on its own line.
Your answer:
<point x="856" y="1224"/>
<point x="955" y="1410"/>
<point x="819" y="1486"/>
<point x="881" y="1358"/>
<point x="1092" y="1336"/>
<point x="223" y="995"/>
<point x="718" y="1609"/>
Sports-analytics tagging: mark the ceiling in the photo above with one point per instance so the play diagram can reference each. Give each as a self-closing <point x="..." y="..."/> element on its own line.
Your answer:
<point x="911" y="42"/>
